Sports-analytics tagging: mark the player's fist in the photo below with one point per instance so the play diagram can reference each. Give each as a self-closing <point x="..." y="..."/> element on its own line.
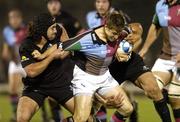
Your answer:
<point x="122" y="57"/>
<point x="37" y="55"/>
<point x="136" y="33"/>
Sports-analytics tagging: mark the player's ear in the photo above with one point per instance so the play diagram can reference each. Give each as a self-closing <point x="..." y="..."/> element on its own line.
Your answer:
<point x="42" y="37"/>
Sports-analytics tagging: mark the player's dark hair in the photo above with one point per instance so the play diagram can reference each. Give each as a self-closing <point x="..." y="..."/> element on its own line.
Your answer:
<point x="47" y="1"/>
<point x="115" y="20"/>
<point x="16" y="10"/>
<point x="39" y="26"/>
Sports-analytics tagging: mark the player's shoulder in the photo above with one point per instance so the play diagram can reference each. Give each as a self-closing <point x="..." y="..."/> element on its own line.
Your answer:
<point x="7" y="29"/>
<point x="91" y="14"/>
<point x="27" y="43"/>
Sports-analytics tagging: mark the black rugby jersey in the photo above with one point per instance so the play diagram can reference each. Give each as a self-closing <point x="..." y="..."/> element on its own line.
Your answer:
<point x="58" y="73"/>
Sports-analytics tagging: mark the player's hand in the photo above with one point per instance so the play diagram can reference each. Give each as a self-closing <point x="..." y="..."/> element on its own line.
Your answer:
<point x="110" y="102"/>
<point x="136" y="33"/>
<point x="37" y="55"/>
<point x="122" y="57"/>
<point x="58" y="53"/>
<point x="142" y="52"/>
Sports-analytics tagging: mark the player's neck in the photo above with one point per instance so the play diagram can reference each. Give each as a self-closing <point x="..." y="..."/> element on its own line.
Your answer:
<point x="101" y="34"/>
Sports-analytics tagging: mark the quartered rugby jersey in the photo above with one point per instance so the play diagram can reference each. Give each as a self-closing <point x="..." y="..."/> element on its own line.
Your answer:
<point x="91" y="54"/>
<point x="168" y="18"/>
<point x="93" y="18"/>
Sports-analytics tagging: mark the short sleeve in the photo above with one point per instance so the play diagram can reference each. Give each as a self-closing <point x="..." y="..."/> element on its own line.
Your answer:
<point x="25" y="53"/>
<point x="155" y="21"/>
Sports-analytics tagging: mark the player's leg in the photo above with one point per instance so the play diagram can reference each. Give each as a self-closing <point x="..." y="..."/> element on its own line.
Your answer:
<point x="55" y="110"/>
<point x="44" y="113"/>
<point x="26" y="109"/>
<point x="102" y="114"/>
<point x="175" y="104"/>
<point x="83" y="90"/>
<point x="83" y="105"/>
<point x="148" y="83"/>
<point x="14" y="86"/>
<point x="134" y="115"/>
<point x="126" y="107"/>
<point x="174" y="94"/>
<point x="29" y="103"/>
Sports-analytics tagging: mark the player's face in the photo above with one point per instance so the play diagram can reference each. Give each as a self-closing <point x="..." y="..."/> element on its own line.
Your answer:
<point x="111" y="34"/>
<point x="54" y="7"/>
<point x="15" y="19"/>
<point x="102" y="6"/>
<point x="171" y="2"/>
<point x="51" y="32"/>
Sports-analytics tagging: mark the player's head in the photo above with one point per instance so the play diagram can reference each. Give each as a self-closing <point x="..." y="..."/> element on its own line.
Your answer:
<point x="15" y="18"/>
<point x="114" y="25"/>
<point x="172" y="2"/>
<point x="102" y="6"/>
<point x="43" y="26"/>
<point x="54" y="6"/>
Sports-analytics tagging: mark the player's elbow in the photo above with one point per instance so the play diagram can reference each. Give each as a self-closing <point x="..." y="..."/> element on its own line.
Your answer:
<point x="30" y="72"/>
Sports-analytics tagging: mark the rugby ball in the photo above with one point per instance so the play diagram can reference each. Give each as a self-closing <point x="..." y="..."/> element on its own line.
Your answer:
<point x="125" y="47"/>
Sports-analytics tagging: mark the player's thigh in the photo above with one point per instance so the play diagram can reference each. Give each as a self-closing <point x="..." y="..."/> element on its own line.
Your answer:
<point x="147" y="79"/>
<point x="165" y="77"/>
<point x="26" y="108"/>
<point x="148" y="83"/>
<point x="83" y="105"/>
<point x="69" y="105"/>
<point x="126" y="106"/>
<point x="175" y="103"/>
<point x="14" y="82"/>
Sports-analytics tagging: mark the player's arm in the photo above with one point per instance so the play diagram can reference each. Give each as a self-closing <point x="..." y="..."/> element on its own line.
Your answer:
<point x="35" y="69"/>
<point x="30" y="64"/>
<point x="64" y="37"/>
<point x="5" y="52"/>
<point x="153" y="34"/>
<point x="135" y="37"/>
<point x="37" y="55"/>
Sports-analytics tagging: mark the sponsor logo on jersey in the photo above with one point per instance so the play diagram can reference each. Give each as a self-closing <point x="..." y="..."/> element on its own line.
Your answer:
<point x="24" y="58"/>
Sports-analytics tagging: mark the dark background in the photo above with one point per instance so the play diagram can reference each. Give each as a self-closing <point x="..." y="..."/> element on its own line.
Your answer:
<point x="139" y="10"/>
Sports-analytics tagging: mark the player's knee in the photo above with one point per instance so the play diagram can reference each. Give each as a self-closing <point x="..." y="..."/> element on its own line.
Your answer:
<point x="127" y="110"/>
<point x="80" y="118"/>
<point x="153" y="92"/>
<point x="23" y="117"/>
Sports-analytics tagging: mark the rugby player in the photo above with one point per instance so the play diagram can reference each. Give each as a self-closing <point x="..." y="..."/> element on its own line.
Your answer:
<point x="49" y="76"/>
<point x="73" y="27"/>
<point x="70" y="23"/>
<point x="94" y="51"/>
<point x="166" y="20"/>
<point x="95" y="19"/>
<point x="14" y="34"/>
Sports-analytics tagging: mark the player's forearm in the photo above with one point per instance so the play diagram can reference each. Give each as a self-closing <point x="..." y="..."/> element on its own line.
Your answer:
<point x="137" y="45"/>
<point x="36" y="69"/>
<point x="152" y="36"/>
<point x="65" y="54"/>
<point x="49" y="51"/>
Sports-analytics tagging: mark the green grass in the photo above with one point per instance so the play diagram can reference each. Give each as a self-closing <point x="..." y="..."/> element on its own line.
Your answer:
<point x="146" y="110"/>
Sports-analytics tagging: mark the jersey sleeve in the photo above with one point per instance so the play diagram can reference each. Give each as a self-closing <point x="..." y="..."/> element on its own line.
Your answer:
<point x="26" y="55"/>
<point x="9" y="36"/>
<point x="155" y="21"/>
